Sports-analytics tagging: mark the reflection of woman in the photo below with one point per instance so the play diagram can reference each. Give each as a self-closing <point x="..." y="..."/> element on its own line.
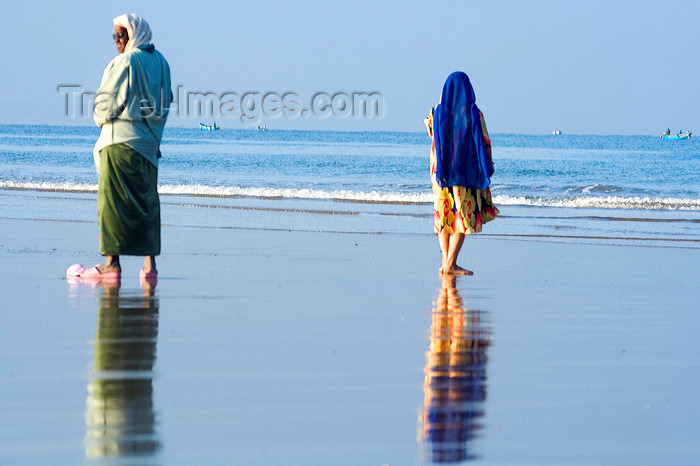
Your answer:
<point x="120" y="416"/>
<point x="460" y="169"/>
<point x="131" y="107"/>
<point x="455" y="378"/>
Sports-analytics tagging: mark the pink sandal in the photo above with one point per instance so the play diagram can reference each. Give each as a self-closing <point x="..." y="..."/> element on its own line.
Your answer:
<point x="78" y="271"/>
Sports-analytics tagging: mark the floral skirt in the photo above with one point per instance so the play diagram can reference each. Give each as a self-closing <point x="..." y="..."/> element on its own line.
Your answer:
<point x="462" y="210"/>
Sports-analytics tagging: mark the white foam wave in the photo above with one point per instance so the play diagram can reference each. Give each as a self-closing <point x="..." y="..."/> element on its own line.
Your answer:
<point x="599" y="202"/>
<point x="289" y="193"/>
<point x="602" y="202"/>
<point x="599" y="188"/>
<point x="236" y="191"/>
<point x="65" y="186"/>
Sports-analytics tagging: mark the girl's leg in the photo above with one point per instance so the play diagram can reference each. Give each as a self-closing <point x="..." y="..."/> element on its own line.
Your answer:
<point x="450" y="266"/>
<point x="444" y="240"/>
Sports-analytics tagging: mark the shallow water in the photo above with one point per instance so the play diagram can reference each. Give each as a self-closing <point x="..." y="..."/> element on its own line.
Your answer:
<point x="668" y="228"/>
<point x="297" y="323"/>
<point x="269" y="347"/>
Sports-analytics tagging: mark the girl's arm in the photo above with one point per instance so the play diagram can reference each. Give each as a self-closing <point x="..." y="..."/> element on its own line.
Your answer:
<point x="487" y="139"/>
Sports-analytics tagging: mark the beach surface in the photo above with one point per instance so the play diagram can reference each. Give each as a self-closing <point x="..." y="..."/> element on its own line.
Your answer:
<point x="294" y="346"/>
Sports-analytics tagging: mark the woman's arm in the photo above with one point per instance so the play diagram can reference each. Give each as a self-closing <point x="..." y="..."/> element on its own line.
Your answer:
<point x="429" y="123"/>
<point x="111" y="97"/>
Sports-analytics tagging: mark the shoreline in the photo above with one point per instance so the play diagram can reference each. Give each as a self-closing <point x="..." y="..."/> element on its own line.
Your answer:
<point x="605" y="203"/>
<point x="609" y="240"/>
<point x="674" y="229"/>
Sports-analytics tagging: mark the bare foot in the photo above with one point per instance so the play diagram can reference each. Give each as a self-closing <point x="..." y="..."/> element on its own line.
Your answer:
<point x="109" y="267"/>
<point x="149" y="265"/>
<point x="455" y="270"/>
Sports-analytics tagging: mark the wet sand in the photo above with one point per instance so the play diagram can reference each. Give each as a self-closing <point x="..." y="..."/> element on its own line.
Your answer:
<point x="302" y="347"/>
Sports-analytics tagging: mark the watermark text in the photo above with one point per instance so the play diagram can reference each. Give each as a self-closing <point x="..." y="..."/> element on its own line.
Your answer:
<point x="249" y="107"/>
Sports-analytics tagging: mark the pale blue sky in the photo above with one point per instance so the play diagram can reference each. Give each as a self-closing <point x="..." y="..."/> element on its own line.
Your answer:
<point x="586" y="67"/>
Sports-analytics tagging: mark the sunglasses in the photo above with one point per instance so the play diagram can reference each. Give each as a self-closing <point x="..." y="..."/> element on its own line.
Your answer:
<point x="119" y="35"/>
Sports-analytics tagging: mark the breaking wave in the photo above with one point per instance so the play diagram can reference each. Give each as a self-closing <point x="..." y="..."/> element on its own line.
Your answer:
<point x="585" y="200"/>
<point x="602" y="202"/>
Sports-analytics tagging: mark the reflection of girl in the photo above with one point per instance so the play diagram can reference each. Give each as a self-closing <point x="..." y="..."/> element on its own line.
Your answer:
<point x="455" y="378"/>
<point x="460" y="169"/>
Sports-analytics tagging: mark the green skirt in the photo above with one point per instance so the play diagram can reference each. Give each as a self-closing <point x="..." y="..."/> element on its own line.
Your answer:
<point x="128" y="208"/>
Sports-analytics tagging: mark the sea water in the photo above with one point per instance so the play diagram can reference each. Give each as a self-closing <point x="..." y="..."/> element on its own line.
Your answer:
<point x="268" y="355"/>
<point x="378" y="182"/>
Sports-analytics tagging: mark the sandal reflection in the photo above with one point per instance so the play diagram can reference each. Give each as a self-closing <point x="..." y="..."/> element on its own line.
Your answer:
<point x="120" y="417"/>
<point x="455" y="378"/>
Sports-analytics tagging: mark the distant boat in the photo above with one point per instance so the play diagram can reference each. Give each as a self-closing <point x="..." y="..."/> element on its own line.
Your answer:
<point x="213" y="127"/>
<point x="675" y="137"/>
<point x="556" y="131"/>
<point x="262" y="128"/>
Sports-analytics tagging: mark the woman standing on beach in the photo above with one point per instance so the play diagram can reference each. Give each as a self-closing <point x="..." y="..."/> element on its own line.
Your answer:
<point x="131" y="107"/>
<point x="460" y="169"/>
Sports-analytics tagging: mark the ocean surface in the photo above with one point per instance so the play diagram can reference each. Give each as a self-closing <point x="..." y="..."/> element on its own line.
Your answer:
<point x="563" y="185"/>
<point x="266" y="342"/>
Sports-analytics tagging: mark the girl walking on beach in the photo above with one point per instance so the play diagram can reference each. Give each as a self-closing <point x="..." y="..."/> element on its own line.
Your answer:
<point x="460" y="169"/>
<point x="131" y="107"/>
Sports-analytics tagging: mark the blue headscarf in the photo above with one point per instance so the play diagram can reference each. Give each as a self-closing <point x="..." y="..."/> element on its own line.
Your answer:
<point x="462" y="159"/>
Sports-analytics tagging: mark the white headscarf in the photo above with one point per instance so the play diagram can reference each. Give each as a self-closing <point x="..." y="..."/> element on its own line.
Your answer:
<point x="137" y="28"/>
<point x="139" y="34"/>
